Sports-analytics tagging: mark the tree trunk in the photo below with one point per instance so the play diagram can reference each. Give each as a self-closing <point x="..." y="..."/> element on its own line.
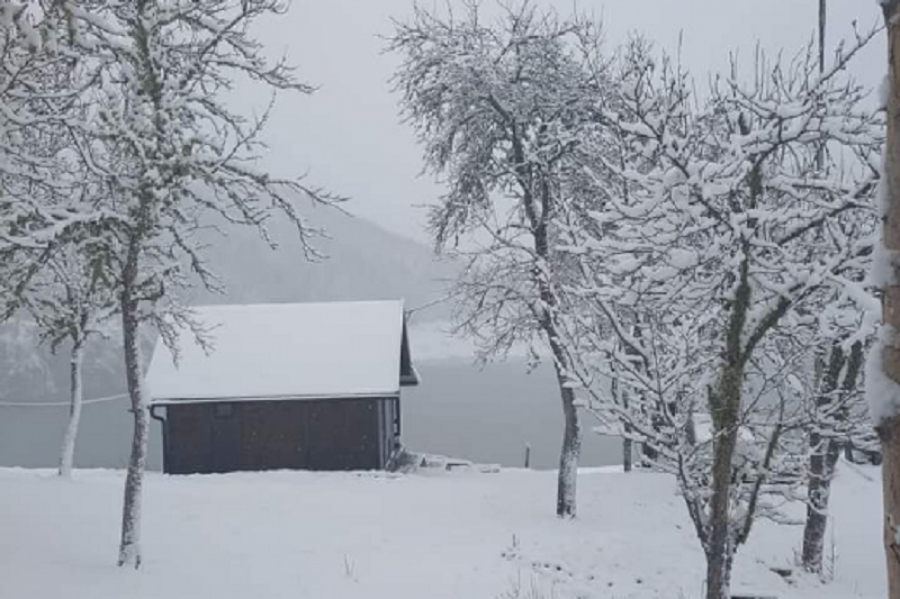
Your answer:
<point x="821" y="472"/>
<point x="889" y="433"/>
<point x="822" y="460"/>
<point x="627" y="444"/>
<point x="718" y="573"/>
<point x="889" y="429"/>
<point x="825" y="452"/>
<point x="568" y="457"/>
<point x="130" y="547"/>
<point x="720" y="542"/>
<point x="67" y="453"/>
<point x="537" y="210"/>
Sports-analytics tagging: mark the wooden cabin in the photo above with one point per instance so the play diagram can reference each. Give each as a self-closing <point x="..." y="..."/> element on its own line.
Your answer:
<point x="311" y="386"/>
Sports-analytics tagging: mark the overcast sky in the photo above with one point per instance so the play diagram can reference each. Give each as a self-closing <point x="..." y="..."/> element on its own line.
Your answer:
<point x="348" y="136"/>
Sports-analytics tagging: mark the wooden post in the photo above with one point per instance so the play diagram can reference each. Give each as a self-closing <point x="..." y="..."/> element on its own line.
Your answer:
<point x="528" y="455"/>
<point x="889" y="428"/>
<point x="627" y="450"/>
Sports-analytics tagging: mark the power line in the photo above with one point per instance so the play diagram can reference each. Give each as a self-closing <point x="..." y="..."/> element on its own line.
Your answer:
<point x="59" y="404"/>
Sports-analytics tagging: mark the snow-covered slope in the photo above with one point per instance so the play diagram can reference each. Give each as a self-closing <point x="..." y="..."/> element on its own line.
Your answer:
<point x="453" y="536"/>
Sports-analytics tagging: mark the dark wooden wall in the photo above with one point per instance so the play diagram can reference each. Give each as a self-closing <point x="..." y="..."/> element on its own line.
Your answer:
<point x="337" y="434"/>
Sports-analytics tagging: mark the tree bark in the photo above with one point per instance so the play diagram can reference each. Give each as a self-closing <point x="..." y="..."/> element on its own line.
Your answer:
<point x="67" y="452"/>
<point x="130" y="546"/>
<point x="826" y="451"/>
<point x="568" y="457"/>
<point x="724" y="409"/>
<point x="571" y="447"/>
<point x="720" y="546"/>
<point x="823" y="457"/>
<point x="889" y="429"/>
<point x="822" y="466"/>
<point x="718" y="574"/>
<point x="889" y="433"/>
<point x="538" y="204"/>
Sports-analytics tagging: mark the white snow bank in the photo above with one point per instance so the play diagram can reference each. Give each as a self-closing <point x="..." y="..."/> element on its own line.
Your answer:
<point x="371" y="536"/>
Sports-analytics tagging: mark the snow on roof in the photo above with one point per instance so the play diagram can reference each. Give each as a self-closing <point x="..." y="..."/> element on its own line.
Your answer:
<point x="271" y="351"/>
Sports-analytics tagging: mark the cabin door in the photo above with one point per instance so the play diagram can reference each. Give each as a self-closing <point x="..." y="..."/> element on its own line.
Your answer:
<point x="226" y="437"/>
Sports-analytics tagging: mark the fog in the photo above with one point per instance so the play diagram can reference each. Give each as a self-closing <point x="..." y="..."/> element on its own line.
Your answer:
<point x="349" y="137"/>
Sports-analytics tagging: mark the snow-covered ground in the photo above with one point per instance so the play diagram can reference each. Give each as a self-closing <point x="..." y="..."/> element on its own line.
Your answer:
<point x="453" y="536"/>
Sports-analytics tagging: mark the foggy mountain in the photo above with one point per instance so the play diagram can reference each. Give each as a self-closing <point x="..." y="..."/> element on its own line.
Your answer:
<point x="364" y="262"/>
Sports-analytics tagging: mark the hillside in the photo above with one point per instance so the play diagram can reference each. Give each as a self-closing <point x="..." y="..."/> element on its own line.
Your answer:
<point x="438" y="536"/>
<point x="363" y="262"/>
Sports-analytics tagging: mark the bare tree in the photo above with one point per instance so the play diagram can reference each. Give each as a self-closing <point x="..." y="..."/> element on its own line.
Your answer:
<point x="719" y="241"/>
<point x="498" y="106"/>
<point x="837" y="418"/>
<point x="172" y="156"/>
<point x="42" y="190"/>
<point x="66" y="296"/>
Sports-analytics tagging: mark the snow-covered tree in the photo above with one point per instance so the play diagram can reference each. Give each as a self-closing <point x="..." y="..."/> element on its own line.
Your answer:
<point x="172" y="156"/>
<point x="836" y="419"/>
<point x="66" y="296"/>
<point x="723" y="244"/>
<point x="498" y="106"/>
<point x="45" y="196"/>
<point x="837" y="416"/>
<point x="39" y="87"/>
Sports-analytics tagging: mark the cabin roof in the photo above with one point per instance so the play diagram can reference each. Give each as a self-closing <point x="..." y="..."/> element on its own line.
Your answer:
<point x="288" y="351"/>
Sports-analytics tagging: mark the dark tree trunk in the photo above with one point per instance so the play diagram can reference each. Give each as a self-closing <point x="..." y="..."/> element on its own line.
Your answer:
<point x="724" y="408"/>
<point x="821" y="472"/>
<point x="718" y="574"/>
<point x="826" y="451"/>
<point x="889" y="433"/>
<point x="889" y="429"/>
<point x="823" y="457"/>
<point x="720" y="542"/>
<point x="130" y="546"/>
<point x="570" y="453"/>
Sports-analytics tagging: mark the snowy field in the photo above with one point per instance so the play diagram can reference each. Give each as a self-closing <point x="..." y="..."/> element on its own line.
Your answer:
<point x="437" y="536"/>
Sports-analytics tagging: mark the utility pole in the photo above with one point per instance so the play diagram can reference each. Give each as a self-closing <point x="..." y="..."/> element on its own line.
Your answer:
<point x="823" y="14"/>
